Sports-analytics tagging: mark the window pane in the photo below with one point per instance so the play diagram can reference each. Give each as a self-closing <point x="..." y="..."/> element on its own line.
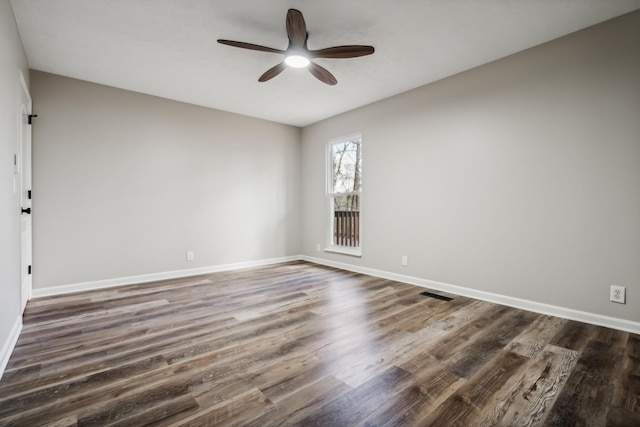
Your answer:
<point x="346" y="220"/>
<point x="347" y="166"/>
<point x="346" y="202"/>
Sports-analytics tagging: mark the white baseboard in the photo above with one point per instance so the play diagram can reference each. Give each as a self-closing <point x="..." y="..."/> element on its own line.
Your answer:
<point x="9" y="344"/>
<point x="566" y="313"/>
<point x="143" y="278"/>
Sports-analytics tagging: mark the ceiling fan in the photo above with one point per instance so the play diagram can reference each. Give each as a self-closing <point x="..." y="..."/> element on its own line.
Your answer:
<point x="298" y="55"/>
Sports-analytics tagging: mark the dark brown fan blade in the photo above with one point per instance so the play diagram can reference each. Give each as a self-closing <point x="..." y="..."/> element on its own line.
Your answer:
<point x="322" y="74"/>
<point x="250" y="46"/>
<point x="296" y="28"/>
<point x="272" y="72"/>
<point x="352" y="51"/>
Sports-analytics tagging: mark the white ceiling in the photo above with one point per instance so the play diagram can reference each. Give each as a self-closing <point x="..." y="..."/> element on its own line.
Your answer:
<point x="168" y="48"/>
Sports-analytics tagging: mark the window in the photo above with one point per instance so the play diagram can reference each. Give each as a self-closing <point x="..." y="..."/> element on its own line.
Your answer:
<point x="344" y="176"/>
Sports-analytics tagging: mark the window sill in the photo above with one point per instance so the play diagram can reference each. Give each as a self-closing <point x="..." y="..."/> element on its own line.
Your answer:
<point x="355" y="252"/>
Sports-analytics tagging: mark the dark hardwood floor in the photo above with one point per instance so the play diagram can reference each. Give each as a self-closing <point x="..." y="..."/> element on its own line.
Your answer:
<point x="302" y="344"/>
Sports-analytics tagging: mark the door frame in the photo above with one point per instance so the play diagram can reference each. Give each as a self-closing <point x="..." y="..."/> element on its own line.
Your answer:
<point x="23" y="170"/>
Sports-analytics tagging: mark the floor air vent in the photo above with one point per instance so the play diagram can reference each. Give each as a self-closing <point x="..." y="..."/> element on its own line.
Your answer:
<point x="436" y="296"/>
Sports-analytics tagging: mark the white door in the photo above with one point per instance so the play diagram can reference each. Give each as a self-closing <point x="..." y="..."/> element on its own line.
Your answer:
<point x="23" y="163"/>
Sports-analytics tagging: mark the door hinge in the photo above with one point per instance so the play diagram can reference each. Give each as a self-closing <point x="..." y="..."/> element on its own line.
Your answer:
<point x="31" y="116"/>
<point x="29" y="194"/>
<point x="29" y="269"/>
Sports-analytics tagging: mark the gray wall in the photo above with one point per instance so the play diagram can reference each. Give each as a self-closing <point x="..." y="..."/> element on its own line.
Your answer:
<point x="12" y="61"/>
<point x="124" y="184"/>
<point x="520" y="177"/>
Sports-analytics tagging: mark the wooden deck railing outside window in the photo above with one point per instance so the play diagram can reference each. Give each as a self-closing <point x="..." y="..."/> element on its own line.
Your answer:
<point x="346" y="228"/>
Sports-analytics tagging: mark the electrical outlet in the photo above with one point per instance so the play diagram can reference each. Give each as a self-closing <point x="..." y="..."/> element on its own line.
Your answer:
<point x="189" y="255"/>
<point x="318" y="248"/>
<point x="617" y="294"/>
<point x="405" y="260"/>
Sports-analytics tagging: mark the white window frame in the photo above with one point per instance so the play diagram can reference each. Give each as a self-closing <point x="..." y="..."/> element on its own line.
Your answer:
<point x="329" y="195"/>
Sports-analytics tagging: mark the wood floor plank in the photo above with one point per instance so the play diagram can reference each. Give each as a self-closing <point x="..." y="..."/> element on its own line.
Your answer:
<point x="573" y="335"/>
<point x="14" y="403"/>
<point x="354" y="406"/>
<point x="627" y="388"/>
<point x="411" y="404"/>
<point x="437" y="310"/>
<point x="586" y="397"/>
<point x="406" y="347"/>
<point x="76" y="402"/>
<point x="245" y="405"/>
<point x="490" y="342"/>
<point x="297" y="406"/>
<point x="303" y="344"/>
<point x="450" y="345"/>
<point x="162" y="414"/>
<point x="620" y="417"/>
<point x="469" y="403"/>
<point x="71" y="421"/>
<point x="535" y="338"/>
<point x="526" y="400"/>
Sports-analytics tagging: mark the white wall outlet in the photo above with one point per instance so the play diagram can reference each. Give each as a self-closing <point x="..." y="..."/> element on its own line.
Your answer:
<point x="405" y="260"/>
<point x="189" y="255"/>
<point x="318" y="248"/>
<point x="617" y="294"/>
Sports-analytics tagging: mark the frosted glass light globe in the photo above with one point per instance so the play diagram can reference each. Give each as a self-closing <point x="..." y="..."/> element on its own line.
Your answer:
<point x="296" y="61"/>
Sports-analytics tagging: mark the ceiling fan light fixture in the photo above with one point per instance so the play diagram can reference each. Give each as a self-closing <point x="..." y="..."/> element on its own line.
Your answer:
<point x="296" y="60"/>
<point x="298" y="54"/>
